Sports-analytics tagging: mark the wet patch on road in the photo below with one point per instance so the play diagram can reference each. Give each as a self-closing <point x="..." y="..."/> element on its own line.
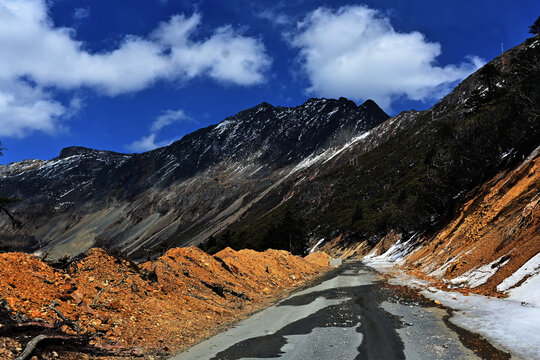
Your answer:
<point x="351" y="313"/>
<point x="359" y="309"/>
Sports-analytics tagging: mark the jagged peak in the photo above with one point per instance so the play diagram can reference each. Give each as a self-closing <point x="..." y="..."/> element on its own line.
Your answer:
<point x="264" y="104"/>
<point x="81" y="150"/>
<point x="341" y="101"/>
<point x="369" y="104"/>
<point x="260" y="107"/>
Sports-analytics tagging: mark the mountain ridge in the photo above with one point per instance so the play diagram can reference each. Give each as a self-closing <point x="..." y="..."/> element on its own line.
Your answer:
<point x="329" y="166"/>
<point x="410" y="179"/>
<point x="113" y="197"/>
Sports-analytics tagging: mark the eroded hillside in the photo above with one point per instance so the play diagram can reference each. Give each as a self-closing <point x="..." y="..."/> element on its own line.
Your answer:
<point x="490" y="246"/>
<point x="494" y="234"/>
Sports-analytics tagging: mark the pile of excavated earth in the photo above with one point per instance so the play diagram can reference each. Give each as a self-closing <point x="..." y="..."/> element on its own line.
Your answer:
<point x="102" y="306"/>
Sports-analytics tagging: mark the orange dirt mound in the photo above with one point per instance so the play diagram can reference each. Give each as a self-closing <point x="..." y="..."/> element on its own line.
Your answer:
<point x="159" y="307"/>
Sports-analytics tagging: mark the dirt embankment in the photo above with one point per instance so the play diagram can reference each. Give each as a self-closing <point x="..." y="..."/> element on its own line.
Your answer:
<point x="150" y="310"/>
<point x="492" y="235"/>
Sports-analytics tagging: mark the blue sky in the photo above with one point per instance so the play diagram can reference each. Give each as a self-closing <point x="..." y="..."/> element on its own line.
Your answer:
<point x="132" y="75"/>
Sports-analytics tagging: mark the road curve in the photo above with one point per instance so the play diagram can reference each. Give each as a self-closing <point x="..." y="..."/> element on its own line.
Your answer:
<point x="347" y="314"/>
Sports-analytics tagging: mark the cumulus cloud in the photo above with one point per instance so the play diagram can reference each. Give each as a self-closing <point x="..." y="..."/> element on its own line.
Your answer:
<point x="24" y="108"/>
<point x="146" y="143"/>
<point x="49" y="57"/>
<point x="149" y="142"/>
<point x="355" y="52"/>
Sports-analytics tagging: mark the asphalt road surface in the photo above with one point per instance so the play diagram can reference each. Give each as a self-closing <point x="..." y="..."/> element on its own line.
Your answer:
<point x="348" y="314"/>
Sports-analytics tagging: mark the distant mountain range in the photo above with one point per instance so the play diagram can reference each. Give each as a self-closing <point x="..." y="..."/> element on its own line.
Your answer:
<point x="179" y="194"/>
<point x="327" y="169"/>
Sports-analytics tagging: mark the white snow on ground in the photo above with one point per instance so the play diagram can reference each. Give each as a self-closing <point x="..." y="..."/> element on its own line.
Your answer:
<point x="507" y="324"/>
<point x="530" y="267"/>
<point x="222" y="126"/>
<point x="441" y="270"/>
<point x="308" y="161"/>
<point x="392" y="255"/>
<point x="529" y="291"/>
<point x="479" y="276"/>
<point x="326" y="155"/>
<point x="348" y="144"/>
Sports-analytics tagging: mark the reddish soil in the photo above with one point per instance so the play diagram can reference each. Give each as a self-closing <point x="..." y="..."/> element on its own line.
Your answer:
<point x="150" y="310"/>
<point x="501" y="220"/>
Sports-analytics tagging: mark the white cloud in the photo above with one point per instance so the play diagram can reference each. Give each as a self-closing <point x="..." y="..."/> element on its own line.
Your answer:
<point x="355" y="52"/>
<point x="149" y="142"/>
<point x="167" y="118"/>
<point x="81" y="13"/>
<point x="24" y="108"/>
<point x="31" y="47"/>
<point x="275" y="17"/>
<point x="146" y="143"/>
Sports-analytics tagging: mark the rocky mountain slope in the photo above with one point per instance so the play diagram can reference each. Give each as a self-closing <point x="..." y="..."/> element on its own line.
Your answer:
<point x="320" y="171"/>
<point x="176" y="195"/>
<point x="409" y="174"/>
<point x="490" y="246"/>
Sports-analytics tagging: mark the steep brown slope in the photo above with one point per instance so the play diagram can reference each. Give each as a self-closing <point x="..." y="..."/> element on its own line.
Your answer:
<point x="491" y="235"/>
<point x="158" y="308"/>
<point x="499" y="225"/>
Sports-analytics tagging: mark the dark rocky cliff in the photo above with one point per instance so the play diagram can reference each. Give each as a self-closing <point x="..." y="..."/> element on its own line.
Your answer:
<point x="184" y="191"/>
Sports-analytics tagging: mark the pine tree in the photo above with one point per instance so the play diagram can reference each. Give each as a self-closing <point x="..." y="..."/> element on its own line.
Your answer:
<point x="535" y="28"/>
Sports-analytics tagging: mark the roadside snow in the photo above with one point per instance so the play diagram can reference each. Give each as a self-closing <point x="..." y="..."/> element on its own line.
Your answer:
<point x="529" y="291"/>
<point x="479" y="276"/>
<point x="505" y="323"/>
<point x="508" y="324"/>
<point x="393" y="255"/>
<point x="530" y="267"/>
